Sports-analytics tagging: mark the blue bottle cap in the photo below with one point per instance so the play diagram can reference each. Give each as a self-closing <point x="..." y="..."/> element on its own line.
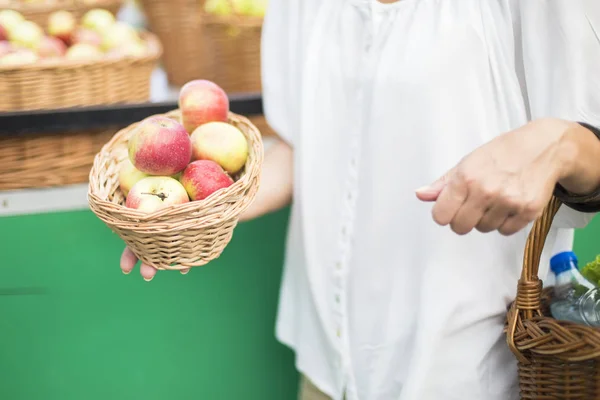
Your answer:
<point x="563" y="261"/>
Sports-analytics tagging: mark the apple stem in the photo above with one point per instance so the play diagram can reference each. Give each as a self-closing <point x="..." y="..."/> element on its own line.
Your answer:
<point x="161" y="196"/>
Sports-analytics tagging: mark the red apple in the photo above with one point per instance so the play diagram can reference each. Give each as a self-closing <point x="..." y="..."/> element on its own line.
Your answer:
<point x="204" y="177"/>
<point x="62" y="25"/>
<point x="202" y="101"/>
<point x="160" y="146"/>
<point x="51" y="47"/>
<point x="156" y="192"/>
<point x="3" y="33"/>
<point x="98" y="20"/>
<point x="82" y="35"/>
<point x="222" y="143"/>
<point x="27" y="34"/>
<point x="83" y="52"/>
<point x="129" y="176"/>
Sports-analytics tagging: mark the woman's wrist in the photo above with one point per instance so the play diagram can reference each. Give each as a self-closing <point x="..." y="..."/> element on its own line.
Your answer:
<point x="578" y="159"/>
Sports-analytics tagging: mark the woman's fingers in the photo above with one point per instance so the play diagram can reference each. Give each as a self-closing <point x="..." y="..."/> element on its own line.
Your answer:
<point x="147" y="272"/>
<point x="128" y="261"/>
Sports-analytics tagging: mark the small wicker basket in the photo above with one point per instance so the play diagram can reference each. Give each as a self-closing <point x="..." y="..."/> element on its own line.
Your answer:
<point x="557" y="359"/>
<point x="38" y="12"/>
<point x="181" y="236"/>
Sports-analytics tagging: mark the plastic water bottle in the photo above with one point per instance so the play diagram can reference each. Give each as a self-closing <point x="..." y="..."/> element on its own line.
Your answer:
<point x="574" y="296"/>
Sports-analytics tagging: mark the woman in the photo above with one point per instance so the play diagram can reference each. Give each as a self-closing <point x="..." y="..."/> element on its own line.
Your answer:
<point x="479" y="100"/>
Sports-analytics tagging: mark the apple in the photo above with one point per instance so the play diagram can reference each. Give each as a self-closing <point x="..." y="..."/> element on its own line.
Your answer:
<point x="156" y="192"/>
<point x="218" y="7"/>
<point x="51" y="47"/>
<point x="62" y="25"/>
<point x="160" y="146"/>
<point x="27" y="34"/>
<point x="222" y="143"/>
<point x="204" y="177"/>
<point x="98" y="20"/>
<point x="83" y="35"/>
<point x="9" y="19"/>
<point x="83" y="52"/>
<point x="19" y="57"/>
<point x="202" y="101"/>
<point x="3" y="34"/>
<point x="5" y="48"/>
<point x="119" y="34"/>
<point x="131" y="49"/>
<point x="129" y="176"/>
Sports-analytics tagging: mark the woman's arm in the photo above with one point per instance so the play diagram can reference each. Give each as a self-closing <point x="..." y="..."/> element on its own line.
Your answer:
<point x="276" y="183"/>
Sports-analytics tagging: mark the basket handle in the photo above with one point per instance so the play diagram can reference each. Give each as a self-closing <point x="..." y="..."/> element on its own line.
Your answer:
<point x="527" y="304"/>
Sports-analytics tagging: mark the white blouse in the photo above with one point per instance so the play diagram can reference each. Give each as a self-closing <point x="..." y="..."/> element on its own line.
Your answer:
<point x="377" y="301"/>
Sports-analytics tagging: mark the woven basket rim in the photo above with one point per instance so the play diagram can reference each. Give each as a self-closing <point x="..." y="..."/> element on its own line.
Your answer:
<point x="154" y="53"/>
<point x="24" y="7"/>
<point x="255" y="159"/>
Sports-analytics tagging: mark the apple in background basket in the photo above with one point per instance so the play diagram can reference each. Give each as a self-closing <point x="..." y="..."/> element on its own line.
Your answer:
<point x="98" y="20"/>
<point x="9" y="19"/>
<point x="202" y="101"/>
<point x="51" y="47"/>
<point x="27" y="34"/>
<point x="204" y="177"/>
<point x="129" y="176"/>
<point x="19" y="57"/>
<point x="87" y="36"/>
<point x="5" y="48"/>
<point x="3" y="34"/>
<point x="132" y="49"/>
<point x="222" y="143"/>
<point x="156" y="192"/>
<point x="83" y="52"/>
<point x="119" y="34"/>
<point x="160" y="146"/>
<point x="62" y="25"/>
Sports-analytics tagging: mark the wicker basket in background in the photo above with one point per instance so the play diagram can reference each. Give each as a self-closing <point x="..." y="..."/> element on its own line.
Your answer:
<point x="178" y="25"/>
<point x="65" y="158"/>
<point x="38" y="12"/>
<point x="181" y="236"/>
<point x="64" y="83"/>
<point x="557" y="359"/>
<point x="234" y="42"/>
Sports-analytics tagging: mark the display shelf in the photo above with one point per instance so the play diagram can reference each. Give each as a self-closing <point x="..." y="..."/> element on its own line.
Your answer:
<point x="88" y="118"/>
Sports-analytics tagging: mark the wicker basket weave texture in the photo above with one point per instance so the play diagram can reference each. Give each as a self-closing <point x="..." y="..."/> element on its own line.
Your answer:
<point x="181" y="236"/>
<point x="38" y="12"/>
<point x="557" y="359"/>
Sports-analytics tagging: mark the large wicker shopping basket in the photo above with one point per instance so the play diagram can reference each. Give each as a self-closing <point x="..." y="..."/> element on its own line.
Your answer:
<point x="557" y="360"/>
<point x="180" y="236"/>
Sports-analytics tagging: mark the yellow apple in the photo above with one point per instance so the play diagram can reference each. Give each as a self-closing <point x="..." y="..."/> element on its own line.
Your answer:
<point x="27" y="34"/>
<point x="98" y="20"/>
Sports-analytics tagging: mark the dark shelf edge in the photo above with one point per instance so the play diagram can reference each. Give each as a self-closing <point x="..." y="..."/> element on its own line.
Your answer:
<point x="22" y="123"/>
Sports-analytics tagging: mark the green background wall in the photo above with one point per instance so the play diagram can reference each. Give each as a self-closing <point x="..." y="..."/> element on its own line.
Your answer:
<point x="81" y="330"/>
<point x="72" y="327"/>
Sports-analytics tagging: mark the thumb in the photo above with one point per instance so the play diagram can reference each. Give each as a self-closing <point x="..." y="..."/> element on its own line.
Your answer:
<point x="432" y="191"/>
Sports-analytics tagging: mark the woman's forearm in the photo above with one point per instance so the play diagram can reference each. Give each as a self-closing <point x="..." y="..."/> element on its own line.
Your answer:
<point x="276" y="182"/>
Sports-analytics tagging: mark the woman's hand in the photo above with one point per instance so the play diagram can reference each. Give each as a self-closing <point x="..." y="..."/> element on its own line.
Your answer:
<point x="505" y="184"/>
<point x="274" y="193"/>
